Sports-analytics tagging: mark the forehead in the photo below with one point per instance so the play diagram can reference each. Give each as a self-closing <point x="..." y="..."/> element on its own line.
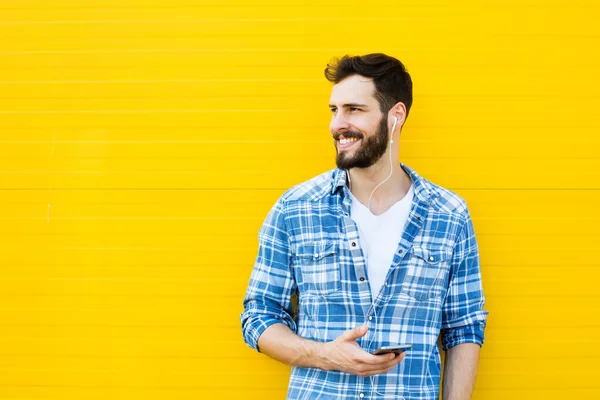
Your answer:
<point x="354" y="89"/>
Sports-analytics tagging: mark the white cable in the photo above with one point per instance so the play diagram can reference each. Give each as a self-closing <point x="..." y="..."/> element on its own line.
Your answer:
<point x="391" y="166"/>
<point x="373" y="389"/>
<point x="371" y="378"/>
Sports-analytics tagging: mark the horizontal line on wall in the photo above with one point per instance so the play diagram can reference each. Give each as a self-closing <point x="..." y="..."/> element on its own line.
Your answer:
<point x="220" y="5"/>
<point x="101" y="218"/>
<point x="53" y="142"/>
<point x="189" y="249"/>
<point x="174" y="357"/>
<point x="113" y="295"/>
<point x="562" y="393"/>
<point x="76" y="171"/>
<point x="103" y="172"/>
<point x="294" y="35"/>
<point x="203" y="387"/>
<point x="279" y="141"/>
<point x="254" y="172"/>
<point x="208" y="324"/>
<point x="256" y="50"/>
<point x="233" y="80"/>
<point x="291" y="96"/>
<point x="279" y="127"/>
<point x="2" y="112"/>
<point x="314" y="141"/>
<point x="538" y="296"/>
<point x="114" y="371"/>
<point x="217" y="19"/>
<point x="282" y="19"/>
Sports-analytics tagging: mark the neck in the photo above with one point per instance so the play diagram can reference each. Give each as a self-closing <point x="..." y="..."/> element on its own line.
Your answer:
<point x="364" y="180"/>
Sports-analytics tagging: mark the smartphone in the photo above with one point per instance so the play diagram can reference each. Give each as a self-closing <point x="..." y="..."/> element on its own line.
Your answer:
<point x="398" y="349"/>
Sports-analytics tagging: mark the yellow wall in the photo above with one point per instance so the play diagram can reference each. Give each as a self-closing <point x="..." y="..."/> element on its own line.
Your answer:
<point x="143" y="141"/>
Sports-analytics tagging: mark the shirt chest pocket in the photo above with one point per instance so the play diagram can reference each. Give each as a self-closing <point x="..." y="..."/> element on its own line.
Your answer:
<point x="426" y="273"/>
<point x="318" y="266"/>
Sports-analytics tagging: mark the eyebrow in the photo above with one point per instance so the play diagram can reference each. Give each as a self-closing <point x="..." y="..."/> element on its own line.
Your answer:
<point x="348" y="105"/>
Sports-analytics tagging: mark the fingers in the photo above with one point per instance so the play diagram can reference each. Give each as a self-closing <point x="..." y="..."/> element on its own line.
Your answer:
<point x="368" y="370"/>
<point x="392" y="363"/>
<point x="379" y="371"/>
<point x="346" y="355"/>
<point x="389" y="364"/>
<point x="368" y="358"/>
<point x="356" y="333"/>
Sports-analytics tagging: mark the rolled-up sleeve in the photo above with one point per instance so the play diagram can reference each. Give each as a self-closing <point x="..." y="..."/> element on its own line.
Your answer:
<point x="463" y="316"/>
<point x="268" y="298"/>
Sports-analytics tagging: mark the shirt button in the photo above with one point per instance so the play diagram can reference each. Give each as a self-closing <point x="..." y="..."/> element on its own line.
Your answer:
<point x="361" y="395"/>
<point x="431" y="258"/>
<point x="353" y="244"/>
<point x="370" y="318"/>
<point x="316" y="255"/>
<point x="362" y="278"/>
<point x="400" y="251"/>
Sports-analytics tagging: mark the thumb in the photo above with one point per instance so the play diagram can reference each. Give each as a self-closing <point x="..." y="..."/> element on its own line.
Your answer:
<point x="357" y="332"/>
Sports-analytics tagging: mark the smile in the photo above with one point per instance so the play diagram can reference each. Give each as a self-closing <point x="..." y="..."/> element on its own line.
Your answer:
<point x="346" y="143"/>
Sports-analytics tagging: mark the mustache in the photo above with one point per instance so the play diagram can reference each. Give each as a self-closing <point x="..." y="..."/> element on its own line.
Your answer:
<point x="348" y="135"/>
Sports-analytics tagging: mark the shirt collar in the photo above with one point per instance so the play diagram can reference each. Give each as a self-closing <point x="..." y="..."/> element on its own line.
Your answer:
<point x="423" y="189"/>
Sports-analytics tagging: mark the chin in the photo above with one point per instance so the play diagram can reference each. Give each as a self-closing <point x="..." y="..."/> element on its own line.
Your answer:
<point x="344" y="162"/>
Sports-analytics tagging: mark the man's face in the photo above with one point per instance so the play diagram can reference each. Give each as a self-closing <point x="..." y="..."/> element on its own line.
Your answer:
<point x="359" y="129"/>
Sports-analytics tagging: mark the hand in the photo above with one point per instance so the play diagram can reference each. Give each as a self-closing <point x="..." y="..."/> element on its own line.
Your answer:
<point x="344" y="354"/>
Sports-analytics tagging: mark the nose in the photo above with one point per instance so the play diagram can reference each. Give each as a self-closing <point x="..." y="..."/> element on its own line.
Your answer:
<point x="339" y="122"/>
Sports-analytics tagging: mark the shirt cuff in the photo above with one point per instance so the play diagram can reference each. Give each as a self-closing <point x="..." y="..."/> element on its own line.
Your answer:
<point x="473" y="333"/>
<point x="254" y="325"/>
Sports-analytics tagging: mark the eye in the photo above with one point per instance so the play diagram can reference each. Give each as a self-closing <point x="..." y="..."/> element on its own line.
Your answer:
<point x="355" y="109"/>
<point x="333" y="110"/>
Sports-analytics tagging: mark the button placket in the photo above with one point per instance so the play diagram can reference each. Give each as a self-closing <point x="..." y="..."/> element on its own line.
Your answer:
<point x="350" y="230"/>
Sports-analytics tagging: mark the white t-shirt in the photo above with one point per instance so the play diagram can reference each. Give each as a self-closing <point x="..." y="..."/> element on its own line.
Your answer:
<point x="379" y="236"/>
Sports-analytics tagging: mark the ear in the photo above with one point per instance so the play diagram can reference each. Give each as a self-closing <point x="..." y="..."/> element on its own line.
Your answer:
<point x="398" y="111"/>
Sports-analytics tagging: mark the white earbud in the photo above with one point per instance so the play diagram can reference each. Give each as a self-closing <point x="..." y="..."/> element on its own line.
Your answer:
<point x="393" y="127"/>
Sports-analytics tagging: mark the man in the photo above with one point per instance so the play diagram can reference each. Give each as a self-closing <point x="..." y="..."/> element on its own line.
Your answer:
<point x="377" y="256"/>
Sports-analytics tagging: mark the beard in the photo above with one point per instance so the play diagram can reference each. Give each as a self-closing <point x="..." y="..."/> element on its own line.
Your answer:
<point x="369" y="152"/>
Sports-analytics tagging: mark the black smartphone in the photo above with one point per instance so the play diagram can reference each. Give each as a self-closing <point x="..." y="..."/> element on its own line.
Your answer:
<point x="398" y="349"/>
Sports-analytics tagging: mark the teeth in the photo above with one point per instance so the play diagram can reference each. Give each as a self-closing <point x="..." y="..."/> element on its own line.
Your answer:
<point x="349" y="140"/>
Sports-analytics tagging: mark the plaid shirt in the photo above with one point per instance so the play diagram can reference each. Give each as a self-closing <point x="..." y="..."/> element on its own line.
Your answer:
<point x="309" y="245"/>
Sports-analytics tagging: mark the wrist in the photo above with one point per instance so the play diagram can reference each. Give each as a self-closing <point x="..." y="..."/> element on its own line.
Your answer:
<point x="316" y="352"/>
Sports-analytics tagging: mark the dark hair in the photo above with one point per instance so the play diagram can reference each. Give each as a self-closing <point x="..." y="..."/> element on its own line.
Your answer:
<point x="392" y="81"/>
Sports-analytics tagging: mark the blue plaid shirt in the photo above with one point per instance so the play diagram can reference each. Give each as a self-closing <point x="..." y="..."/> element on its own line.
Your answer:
<point x="309" y="245"/>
